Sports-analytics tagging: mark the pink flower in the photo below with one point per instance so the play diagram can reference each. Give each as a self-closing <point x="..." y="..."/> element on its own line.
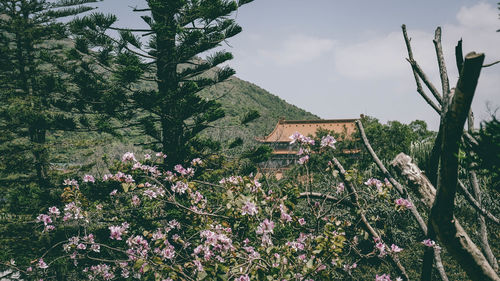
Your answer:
<point x="128" y="156"/>
<point x="302" y="221"/>
<point x="249" y="209"/>
<point x="429" y="243"/>
<point x="44" y="218"/>
<point x="89" y="178"/>
<point x="70" y="182"/>
<point x="41" y="264"/>
<point x="118" y="231"/>
<point x="395" y="248"/>
<point x="160" y="154"/>
<point x="136" y="201"/>
<point x="113" y="193"/>
<point x="54" y="211"/>
<point x="243" y="278"/>
<point x="340" y="188"/>
<point x="381" y="247"/>
<point x="196" y="162"/>
<point x="284" y="215"/>
<point x="403" y="203"/>
<point x="295" y="137"/>
<point x="303" y="159"/>
<point x="265" y="227"/>
<point x="179" y="187"/>
<point x="328" y="141"/>
<point x="147" y="156"/>
<point x="383" y="277"/>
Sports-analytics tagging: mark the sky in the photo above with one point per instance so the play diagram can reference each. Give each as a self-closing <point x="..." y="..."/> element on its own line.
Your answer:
<point x="340" y="59"/>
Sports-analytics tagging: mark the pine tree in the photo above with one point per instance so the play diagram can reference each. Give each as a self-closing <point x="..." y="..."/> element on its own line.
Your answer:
<point x="37" y="95"/>
<point x="170" y="111"/>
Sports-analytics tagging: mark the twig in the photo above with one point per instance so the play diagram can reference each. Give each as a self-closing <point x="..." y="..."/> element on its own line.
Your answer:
<point x="426" y="81"/>
<point x="491" y="64"/>
<point x="475" y="204"/>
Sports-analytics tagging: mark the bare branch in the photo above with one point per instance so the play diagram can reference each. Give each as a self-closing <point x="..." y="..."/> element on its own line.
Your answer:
<point x="491" y="64"/>
<point x="415" y="75"/>
<point x="475" y="204"/>
<point x="442" y="67"/>
<point x="426" y="81"/>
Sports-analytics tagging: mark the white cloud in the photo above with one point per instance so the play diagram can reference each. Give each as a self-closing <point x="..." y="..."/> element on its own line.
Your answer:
<point x="378" y="58"/>
<point x="481" y="15"/>
<point x="298" y="49"/>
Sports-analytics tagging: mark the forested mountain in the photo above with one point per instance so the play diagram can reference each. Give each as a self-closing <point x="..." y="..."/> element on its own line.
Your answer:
<point x="238" y="97"/>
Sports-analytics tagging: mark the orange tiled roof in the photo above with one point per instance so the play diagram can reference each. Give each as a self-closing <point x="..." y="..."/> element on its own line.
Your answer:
<point x="285" y="128"/>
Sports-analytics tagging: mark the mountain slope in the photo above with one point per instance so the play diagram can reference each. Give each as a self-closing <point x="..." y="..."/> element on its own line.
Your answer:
<point x="237" y="98"/>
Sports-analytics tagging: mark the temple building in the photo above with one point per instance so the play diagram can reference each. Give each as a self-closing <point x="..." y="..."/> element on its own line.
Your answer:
<point x="285" y="154"/>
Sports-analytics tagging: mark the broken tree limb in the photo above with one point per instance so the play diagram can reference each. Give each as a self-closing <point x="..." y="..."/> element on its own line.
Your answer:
<point x="483" y="230"/>
<point x="459" y="56"/>
<point x="403" y="192"/>
<point x="419" y="181"/>
<point x="416" y="179"/>
<point x="475" y="204"/>
<point x="449" y="232"/>
<point x="355" y="200"/>
<point x="426" y="80"/>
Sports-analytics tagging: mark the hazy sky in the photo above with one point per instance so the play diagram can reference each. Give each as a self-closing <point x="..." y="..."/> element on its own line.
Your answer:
<point x="338" y="59"/>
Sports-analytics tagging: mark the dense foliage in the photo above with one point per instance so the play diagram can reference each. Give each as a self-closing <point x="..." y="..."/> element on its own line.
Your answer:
<point x="171" y="215"/>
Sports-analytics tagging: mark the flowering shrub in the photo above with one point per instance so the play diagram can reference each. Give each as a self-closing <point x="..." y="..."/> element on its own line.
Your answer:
<point x="142" y="222"/>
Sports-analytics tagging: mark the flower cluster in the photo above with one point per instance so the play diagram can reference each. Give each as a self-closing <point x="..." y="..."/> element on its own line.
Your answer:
<point x="249" y="209"/>
<point x="328" y="141"/>
<point x="216" y="243"/>
<point x="120" y="177"/>
<point x="116" y="231"/>
<point x="402" y="204"/>
<point x="429" y="243"/>
<point x="301" y="139"/>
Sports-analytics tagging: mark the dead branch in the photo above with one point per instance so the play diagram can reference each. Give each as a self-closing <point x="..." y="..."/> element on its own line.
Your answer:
<point x="483" y="230"/>
<point x="426" y="80"/>
<point x="475" y="204"/>
<point x="442" y="67"/>
<point x="420" y="90"/>
<point x="459" y="56"/>
<point x="491" y="64"/>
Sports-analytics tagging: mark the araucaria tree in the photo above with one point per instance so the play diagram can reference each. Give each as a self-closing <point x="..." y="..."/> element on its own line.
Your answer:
<point x="170" y="110"/>
<point x="36" y="95"/>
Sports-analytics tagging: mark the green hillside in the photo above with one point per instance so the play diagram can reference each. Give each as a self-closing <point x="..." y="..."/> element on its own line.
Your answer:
<point x="238" y="97"/>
